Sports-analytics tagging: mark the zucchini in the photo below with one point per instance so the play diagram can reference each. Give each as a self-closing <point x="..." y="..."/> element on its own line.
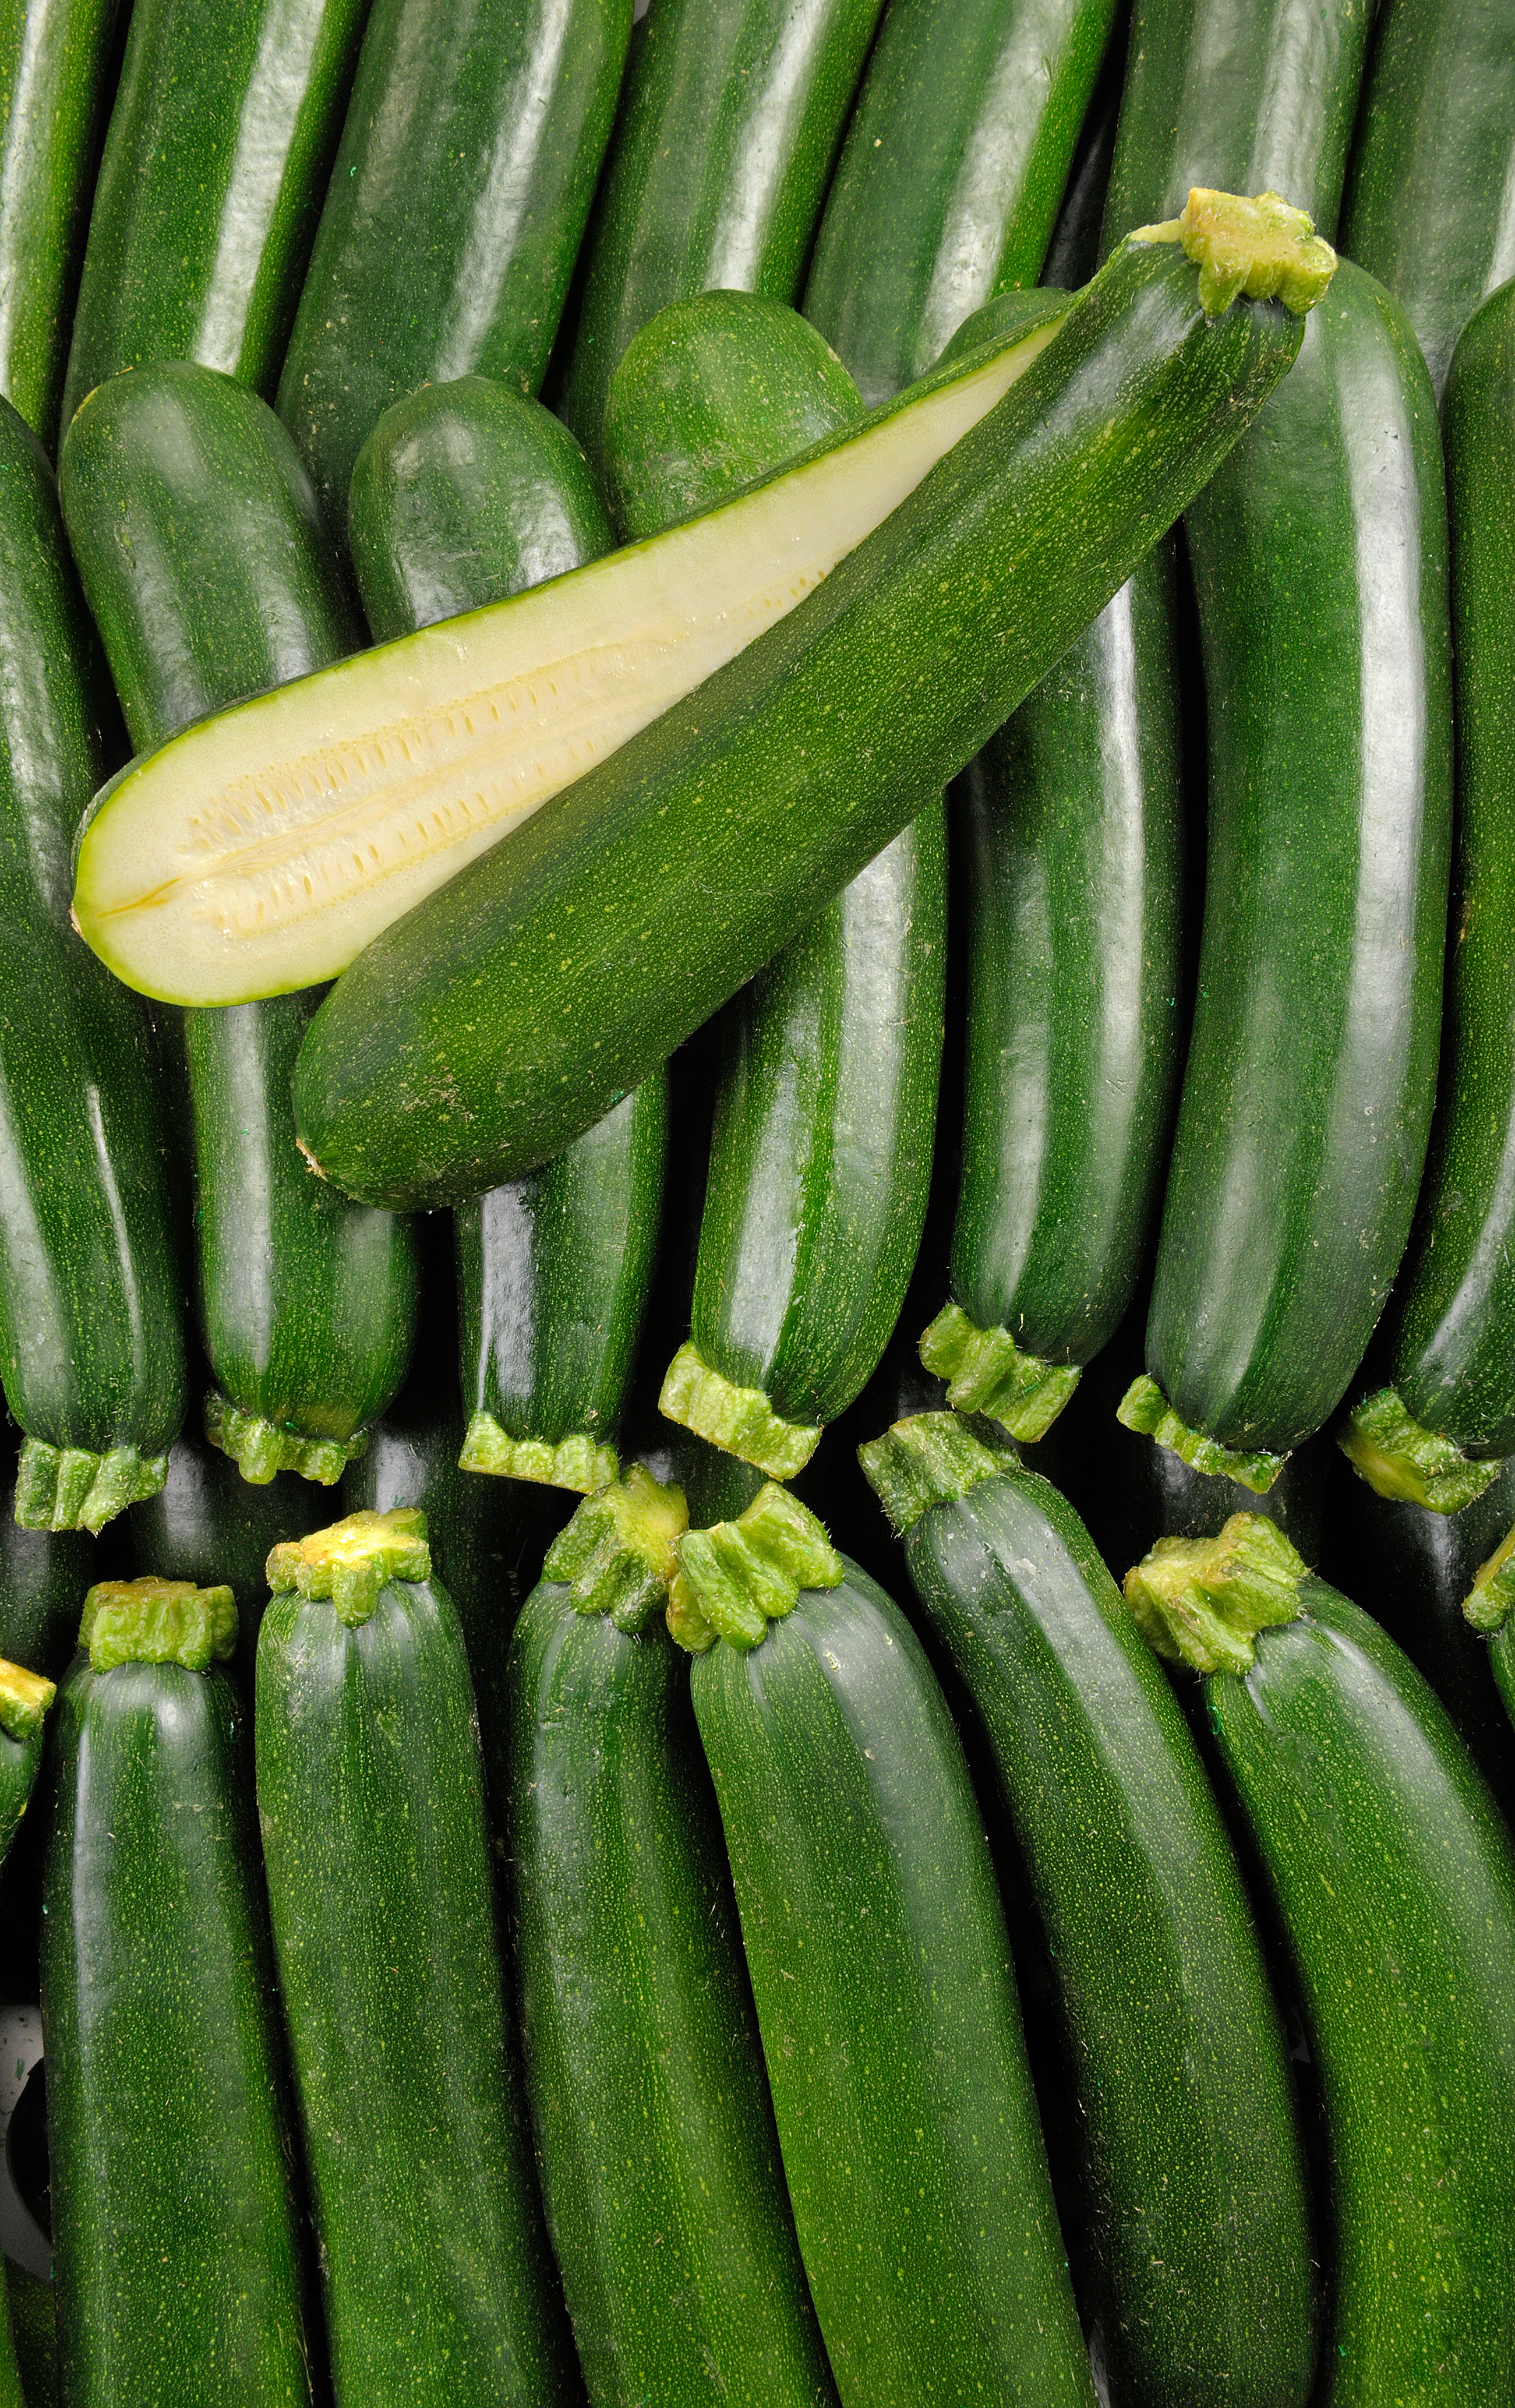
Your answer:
<point x="1199" y="2223"/>
<point x="581" y="664"/>
<point x="1452" y="1356"/>
<point x="1427" y="209"/>
<point x="881" y="1967"/>
<point x="665" y="2194"/>
<point x="209" y="187"/>
<point x="950" y="181"/>
<point x="178" y="2243"/>
<point x="24" y="1700"/>
<point x="463" y="496"/>
<point x="91" y="1349"/>
<point x="203" y="556"/>
<point x="1393" y="1879"/>
<point x="454" y="211"/>
<point x="1306" y="1096"/>
<point x="57" y="60"/>
<point x="729" y="124"/>
<point x="438" y="2283"/>
<point x="873" y="693"/>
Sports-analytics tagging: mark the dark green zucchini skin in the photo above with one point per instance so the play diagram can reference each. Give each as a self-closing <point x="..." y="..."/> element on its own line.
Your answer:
<point x="1194" y="2182"/>
<point x="1306" y="1098"/>
<point x="731" y="118"/>
<point x="56" y="64"/>
<point x="204" y="557"/>
<point x="92" y="1349"/>
<point x="1425" y="209"/>
<point x="220" y="144"/>
<point x="438" y="2282"/>
<point x="950" y="178"/>
<point x="20" y="1760"/>
<point x="1072" y="828"/>
<point x="660" y="2162"/>
<point x="1393" y="1879"/>
<point x="44" y="1577"/>
<point x="176" y="2237"/>
<point x="875" y="1942"/>
<point x="1454" y="1353"/>
<point x="721" y="783"/>
<point x="454" y="213"/>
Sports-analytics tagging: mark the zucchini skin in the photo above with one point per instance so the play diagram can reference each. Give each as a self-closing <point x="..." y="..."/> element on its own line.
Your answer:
<point x="1072" y="829"/>
<point x="1424" y="209"/>
<point x="207" y="189"/>
<point x="454" y="213"/>
<point x="1394" y="1877"/>
<point x="1311" y="1073"/>
<point x="56" y="58"/>
<point x="437" y="2278"/>
<point x="44" y="1576"/>
<point x="92" y="1348"/>
<point x="720" y="783"/>
<point x="20" y="1760"/>
<point x="949" y="180"/>
<point x="210" y="577"/>
<point x="168" y="2141"/>
<point x="934" y="2260"/>
<point x="1193" y="2173"/>
<point x="730" y="121"/>
<point x="656" y="2135"/>
<point x="1453" y="1352"/>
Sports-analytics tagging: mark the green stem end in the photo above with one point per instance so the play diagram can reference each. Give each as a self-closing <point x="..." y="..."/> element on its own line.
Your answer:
<point x="69" y="1488"/>
<point x="260" y="1447"/>
<point x="927" y="1459"/>
<point x="986" y="1373"/>
<point x="1488" y="1602"/>
<point x="153" y="1621"/>
<point x="579" y="1461"/>
<point x="1202" y="1601"/>
<point x="351" y="1560"/>
<point x="1400" y="1458"/>
<point x="741" y="1420"/>
<point x="619" y="1553"/>
<point x="735" y="1578"/>
<point x="1146" y="1410"/>
<point x="24" y="1700"/>
<point x="1265" y="248"/>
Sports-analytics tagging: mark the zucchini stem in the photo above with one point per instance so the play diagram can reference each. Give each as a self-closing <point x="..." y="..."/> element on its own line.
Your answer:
<point x="155" y="1621"/>
<point x="986" y="1373"/>
<point x="735" y="1578"/>
<point x="740" y="1420"/>
<point x="260" y="1447"/>
<point x="578" y="1461"/>
<point x="1202" y="1601"/>
<point x="927" y="1459"/>
<point x="351" y="1560"/>
<point x="71" y="1488"/>
<point x="1399" y="1457"/>
<point x="1146" y="1410"/>
<point x="619" y="1553"/>
<point x="24" y="1700"/>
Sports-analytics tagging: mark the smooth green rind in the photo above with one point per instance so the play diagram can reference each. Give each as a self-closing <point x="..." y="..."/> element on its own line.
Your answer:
<point x="176" y="2236"/>
<point x="454" y="211"/>
<point x="72" y="1488"/>
<point x="1004" y="318"/>
<point x="1427" y="207"/>
<point x="1395" y="1454"/>
<point x="739" y="1419"/>
<point x="259" y="1449"/>
<point x="661" y="2175"/>
<point x="209" y="184"/>
<point x="736" y="1577"/>
<point x="729" y="122"/>
<point x="1203" y="1601"/>
<point x="438" y="2283"/>
<point x="877" y="688"/>
<point x="55" y="60"/>
<point x="926" y="1460"/>
<point x="1144" y="1408"/>
<point x="1173" y="2068"/>
<point x="1488" y="1602"/>
<point x="949" y="183"/>
<point x="912" y="2152"/>
<point x="986" y="1373"/>
<point x="154" y="1621"/>
<point x="620" y="1552"/>
<point x="24" y="1700"/>
<point x="1391" y="1875"/>
<point x="574" y="1462"/>
<point x="351" y="1561"/>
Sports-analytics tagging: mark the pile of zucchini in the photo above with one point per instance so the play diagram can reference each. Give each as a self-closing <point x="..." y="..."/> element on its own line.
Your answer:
<point x="784" y="716"/>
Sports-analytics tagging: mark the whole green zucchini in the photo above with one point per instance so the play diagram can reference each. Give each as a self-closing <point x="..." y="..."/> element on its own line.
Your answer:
<point x="1427" y="209"/>
<point x="949" y="183"/>
<point x="438" y="2283"/>
<point x="1199" y="2223"/>
<point x="56" y="62"/>
<point x="454" y="213"/>
<point x="219" y="148"/>
<point x="664" y="2193"/>
<point x="1306" y="1096"/>
<point x="873" y="690"/>
<point x="91" y="1349"/>
<point x="1451" y="1357"/>
<point x="729" y="124"/>
<point x="1393" y="1877"/>
<point x="881" y="1967"/>
<point x="177" y="2239"/>
<point x="24" y="1700"/>
<point x="203" y="555"/>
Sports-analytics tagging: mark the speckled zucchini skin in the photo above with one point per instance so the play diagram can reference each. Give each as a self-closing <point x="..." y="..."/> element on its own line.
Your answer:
<point x="664" y="2193"/>
<point x="176" y="2237"/>
<point x="454" y="213"/>
<point x="1393" y="1876"/>
<point x="438" y="2283"/>
<point x="219" y="148"/>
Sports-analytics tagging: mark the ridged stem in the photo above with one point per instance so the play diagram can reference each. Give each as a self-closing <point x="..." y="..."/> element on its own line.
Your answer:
<point x="1146" y="1410"/>
<point x="621" y="1551"/>
<point x="1399" y="1457"/>
<point x="69" y="1488"/>
<point x="1265" y="248"/>
<point x="24" y="1700"/>
<point x="578" y="1461"/>
<point x="153" y="1621"/>
<point x="1488" y="1602"/>
<point x="741" y="1420"/>
<point x="260" y="1447"/>
<point x="986" y="1373"/>
<point x="927" y="1459"/>
<point x="735" y="1578"/>
<point x="351" y="1560"/>
<point x="1202" y="1601"/>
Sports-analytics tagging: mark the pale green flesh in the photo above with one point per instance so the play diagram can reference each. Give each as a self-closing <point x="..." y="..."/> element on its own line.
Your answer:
<point x="260" y="850"/>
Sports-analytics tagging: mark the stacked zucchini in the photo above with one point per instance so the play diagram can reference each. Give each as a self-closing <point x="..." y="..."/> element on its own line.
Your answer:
<point x="886" y="833"/>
